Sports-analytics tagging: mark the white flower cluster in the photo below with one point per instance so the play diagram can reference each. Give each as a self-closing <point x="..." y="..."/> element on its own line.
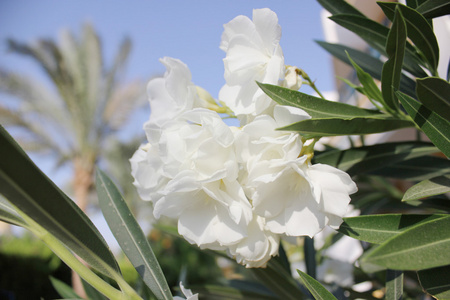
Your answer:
<point x="236" y="189"/>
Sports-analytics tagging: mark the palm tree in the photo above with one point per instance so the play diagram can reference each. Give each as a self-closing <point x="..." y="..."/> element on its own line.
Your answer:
<point x="86" y="107"/>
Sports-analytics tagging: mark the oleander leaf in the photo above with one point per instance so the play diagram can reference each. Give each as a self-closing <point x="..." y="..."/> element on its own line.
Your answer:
<point x="434" y="93"/>
<point x="427" y="188"/>
<point x="318" y="291"/>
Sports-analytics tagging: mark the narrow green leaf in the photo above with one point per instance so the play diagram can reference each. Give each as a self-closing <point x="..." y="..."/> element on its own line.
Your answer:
<point x="435" y="127"/>
<point x="371" y="89"/>
<point x="427" y="188"/>
<point x="416" y="169"/>
<point x="28" y="189"/>
<point x="394" y="285"/>
<point x="378" y="229"/>
<point x="419" y="31"/>
<point x="9" y="215"/>
<point x="414" y="3"/>
<point x="434" y="93"/>
<point x="392" y="68"/>
<point x="315" y="288"/>
<point x="421" y="247"/>
<point x="310" y="256"/>
<point x="224" y="293"/>
<point x="278" y="280"/>
<point x="314" y="106"/>
<point x="130" y="237"/>
<point x="368" y="63"/>
<point x="339" y="7"/>
<point x="364" y="159"/>
<point x="436" y="282"/>
<point x="434" y="8"/>
<point x="357" y="126"/>
<point x="91" y="292"/>
<point x="63" y="289"/>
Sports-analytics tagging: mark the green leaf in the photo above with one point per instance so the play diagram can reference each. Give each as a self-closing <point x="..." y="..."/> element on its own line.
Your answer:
<point x="315" y="288"/>
<point x="375" y="34"/>
<point x="436" y="282"/>
<point x="378" y="229"/>
<point x="427" y="188"/>
<point x="339" y="7"/>
<point x="392" y="68"/>
<point x="370" y="89"/>
<point x="368" y="63"/>
<point x="63" y="289"/>
<point x="130" y="237"/>
<point x="314" y="106"/>
<point x="354" y="126"/>
<point x="9" y="215"/>
<point x="91" y="292"/>
<point x="28" y="189"/>
<point x="421" y="247"/>
<point x="435" y="127"/>
<point x="419" y="31"/>
<point x="364" y="159"/>
<point x="434" y="93"/>
<point x="434" y="8"/>
<point x="279" y="281"/>
<point x="394" y="285"/>
<point x="229" y="293"/>
<point x="416" y="169"/>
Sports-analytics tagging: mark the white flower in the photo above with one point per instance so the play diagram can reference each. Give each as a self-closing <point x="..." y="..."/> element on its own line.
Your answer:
<point x="298" y="199"/>
<point x="187" y="293"/>
<point x="255" y="250"/>
<point x="253" y="54"/>
<point x="172" y="94"/>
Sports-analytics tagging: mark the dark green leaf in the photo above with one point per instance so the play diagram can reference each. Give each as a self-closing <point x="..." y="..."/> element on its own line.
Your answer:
<point x="214" y="292"/>
<point x="22" y="183"/>
<point x="427" y="188"/>
<point x="419" y="31"/>
<point x="63" y="289"/>
<point x="315" y="288"/>
<point x="315" y="107"/>
<point x="421" y="247"/>
<point x="436" y="282"/>
<point x="434" y="8"/>
<point x="354" y="126"/>
<point x="414" y="3"/>
<point x="392" y="68"/>
<point x="435" y="127"/>
<point x="278" y="280"/>
<point x="416" y="169"/>
<point x="375" y="34"/>
<point x="130" y="237"/>
<point x="310" y="256"/>
<point x="359" y="160"/>
<point x="339" y="7"/>
<point x="394" y="285"/>
<point x="378" y="229"/>
<point x="368" y="63"/>
<point x="434" y="93"/>
<point x="91" y="292"/>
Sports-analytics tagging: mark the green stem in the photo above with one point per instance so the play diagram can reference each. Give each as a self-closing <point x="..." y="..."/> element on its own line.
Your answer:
<point x="309" y="82"/>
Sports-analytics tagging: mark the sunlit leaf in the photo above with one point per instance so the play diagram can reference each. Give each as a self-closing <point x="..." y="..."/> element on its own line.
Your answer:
<point x="130" y="237"/>
<point x="315" y="288"/>
<point x="436" y="282"/>
<point x="434" y="93"/>
<point x="421" y="247"/>
<point x="30" y="190"/>
<point x="392" y="68"/>
<point x="378" y="229"/>
<point x="364" y="159"/>
<point x="9" y="215"/>
<point x="334" y="126"/>
<point x="435" y="127"/>
<point x="427" y="188"/>
<point x="314" y="106"/>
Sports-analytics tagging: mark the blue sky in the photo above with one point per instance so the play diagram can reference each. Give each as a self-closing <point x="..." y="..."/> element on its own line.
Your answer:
<point x="188" y="30"/>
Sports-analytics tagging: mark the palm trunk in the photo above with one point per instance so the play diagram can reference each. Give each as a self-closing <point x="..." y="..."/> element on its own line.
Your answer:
<point x="83" y="180"/>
